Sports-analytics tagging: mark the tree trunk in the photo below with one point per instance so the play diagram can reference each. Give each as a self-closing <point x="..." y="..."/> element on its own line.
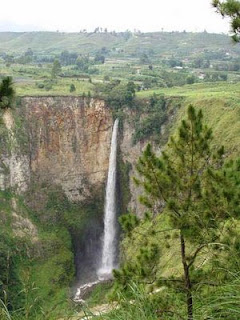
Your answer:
<point x="187" y="280"/>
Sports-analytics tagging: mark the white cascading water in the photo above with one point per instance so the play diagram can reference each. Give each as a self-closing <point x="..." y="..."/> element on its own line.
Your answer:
<point x="110" y="232"/>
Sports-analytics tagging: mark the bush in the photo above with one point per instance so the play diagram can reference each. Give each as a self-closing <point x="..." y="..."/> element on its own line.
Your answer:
<point x="151" y="124"/>
<point x="72" y="87"/>
<point x="40" y="85"/>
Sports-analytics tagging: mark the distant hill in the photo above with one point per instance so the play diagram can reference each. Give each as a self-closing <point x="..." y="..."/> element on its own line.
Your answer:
<point x="158" y="43"/>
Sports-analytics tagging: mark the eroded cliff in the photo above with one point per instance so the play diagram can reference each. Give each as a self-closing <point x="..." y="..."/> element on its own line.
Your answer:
<point x="64" y="142"/>
<point x="68" y="141"/>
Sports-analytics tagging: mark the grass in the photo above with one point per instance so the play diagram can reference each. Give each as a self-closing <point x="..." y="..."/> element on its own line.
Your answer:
<point x="223" y="303"/>
<point x="220" y="103"/>
<point x="4" y="313"/>
<point x="100" y="294"/>
<point x="198" y="90"/>
<point x="168" y="264"/>
<point x="27" y="79"/>
<point x="55" y="41"/>
<point x="61" y="88"/>
<point x="141" y="307"/>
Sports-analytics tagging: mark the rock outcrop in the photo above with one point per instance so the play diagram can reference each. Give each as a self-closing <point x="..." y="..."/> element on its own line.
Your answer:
<point x="68" y="144"/>
<point x="131" y="154"/>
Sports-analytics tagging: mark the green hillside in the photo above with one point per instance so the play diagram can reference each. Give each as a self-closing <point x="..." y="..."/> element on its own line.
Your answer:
<point x="150" y="60"/>
<point x="220" y="104"/>
<point x="159" y="42"/>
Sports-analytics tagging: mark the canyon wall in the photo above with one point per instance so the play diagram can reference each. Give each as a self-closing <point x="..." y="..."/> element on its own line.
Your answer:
<point x="67" y="144"/>
<point x="64" y="141"/>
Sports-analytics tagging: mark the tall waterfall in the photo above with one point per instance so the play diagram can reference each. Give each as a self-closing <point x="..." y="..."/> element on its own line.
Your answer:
<point x="108" y="258"/>
<point x="109" y="238"/>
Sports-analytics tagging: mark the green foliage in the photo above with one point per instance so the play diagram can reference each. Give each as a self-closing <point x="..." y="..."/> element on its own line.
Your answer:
<point x="72" y="88"/>
<point x="150" y="126"/>
<point x="221" y="303"/>
<point x="121" y="95"/>
<point x="199" y="197"/>
<point x="192" y="154"/>
<point x="83" y="63"/>
<point x="142" y="270"/>
<point x="142" y="306"/>
<point x="123" y="59"/>
<point x="123" y="181"/>
<point x="100" y="294"/>
<point x="7" y="93"/>
<point x="56" y="69"/>
<point x="68" y="58"/>
<point x="144" y="59"/>
<point x="190" y="79"/>
<point x="99" y="58"/>
<point x="63" y="214"/>
<point x="35" y="275"/>
<point x="13" y="252"/>
<point x="129" y="222"/>
<point x="231" y="9"/>
<point x="117" y="94"/>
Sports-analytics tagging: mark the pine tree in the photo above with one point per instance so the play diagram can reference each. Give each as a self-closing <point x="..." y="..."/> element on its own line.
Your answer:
<point x="189" y="185"/>
<point x="230" y="9"/>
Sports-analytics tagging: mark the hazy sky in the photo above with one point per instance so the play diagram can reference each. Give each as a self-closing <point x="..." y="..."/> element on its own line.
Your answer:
<point x="74" y="15"/>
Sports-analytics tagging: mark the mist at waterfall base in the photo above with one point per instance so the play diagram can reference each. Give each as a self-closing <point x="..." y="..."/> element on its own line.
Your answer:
<point x="108" y="256"/>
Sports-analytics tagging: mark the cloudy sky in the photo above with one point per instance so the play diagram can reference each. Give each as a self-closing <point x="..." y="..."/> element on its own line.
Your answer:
<point x="146" y="15"/>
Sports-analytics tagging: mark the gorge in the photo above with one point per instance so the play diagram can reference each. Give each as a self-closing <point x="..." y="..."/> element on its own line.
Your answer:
<point x="55" y="154"/>
<point x="61" y="159"/>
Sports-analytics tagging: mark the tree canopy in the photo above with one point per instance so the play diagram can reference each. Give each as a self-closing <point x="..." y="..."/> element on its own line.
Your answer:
<point x="230" y="9"/>
<point x="7" y="93"/>
<point x="192" y="188"/>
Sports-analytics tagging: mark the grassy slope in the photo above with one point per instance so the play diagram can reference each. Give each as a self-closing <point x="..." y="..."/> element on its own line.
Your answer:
<point x="221" y="106"/>
<point x="55" y="42"/>
<point x="60" y="89"/>
<point x="41" y="269"/>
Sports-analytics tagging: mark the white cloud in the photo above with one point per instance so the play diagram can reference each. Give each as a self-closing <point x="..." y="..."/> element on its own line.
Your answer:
<point x="73" y="15"/>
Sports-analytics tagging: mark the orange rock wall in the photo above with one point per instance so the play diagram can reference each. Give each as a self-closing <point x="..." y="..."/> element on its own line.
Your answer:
<point x="69" y="141"/>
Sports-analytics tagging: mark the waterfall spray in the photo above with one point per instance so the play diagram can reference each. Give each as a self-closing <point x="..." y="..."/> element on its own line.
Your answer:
<point x="109" y="238"/>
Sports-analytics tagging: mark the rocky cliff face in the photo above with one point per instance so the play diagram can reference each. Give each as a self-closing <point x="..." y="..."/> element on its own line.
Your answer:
<point x="70" y="139"/>
<point x="68" y="144"/>
<point x="131" y="154"/>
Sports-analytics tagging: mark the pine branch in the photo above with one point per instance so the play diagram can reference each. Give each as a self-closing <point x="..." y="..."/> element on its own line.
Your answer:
<point x="199" y="249"/>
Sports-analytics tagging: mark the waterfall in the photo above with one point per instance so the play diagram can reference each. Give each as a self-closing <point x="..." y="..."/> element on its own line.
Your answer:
<point x="108" y="258"/>
<point x="109" y="238"/>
